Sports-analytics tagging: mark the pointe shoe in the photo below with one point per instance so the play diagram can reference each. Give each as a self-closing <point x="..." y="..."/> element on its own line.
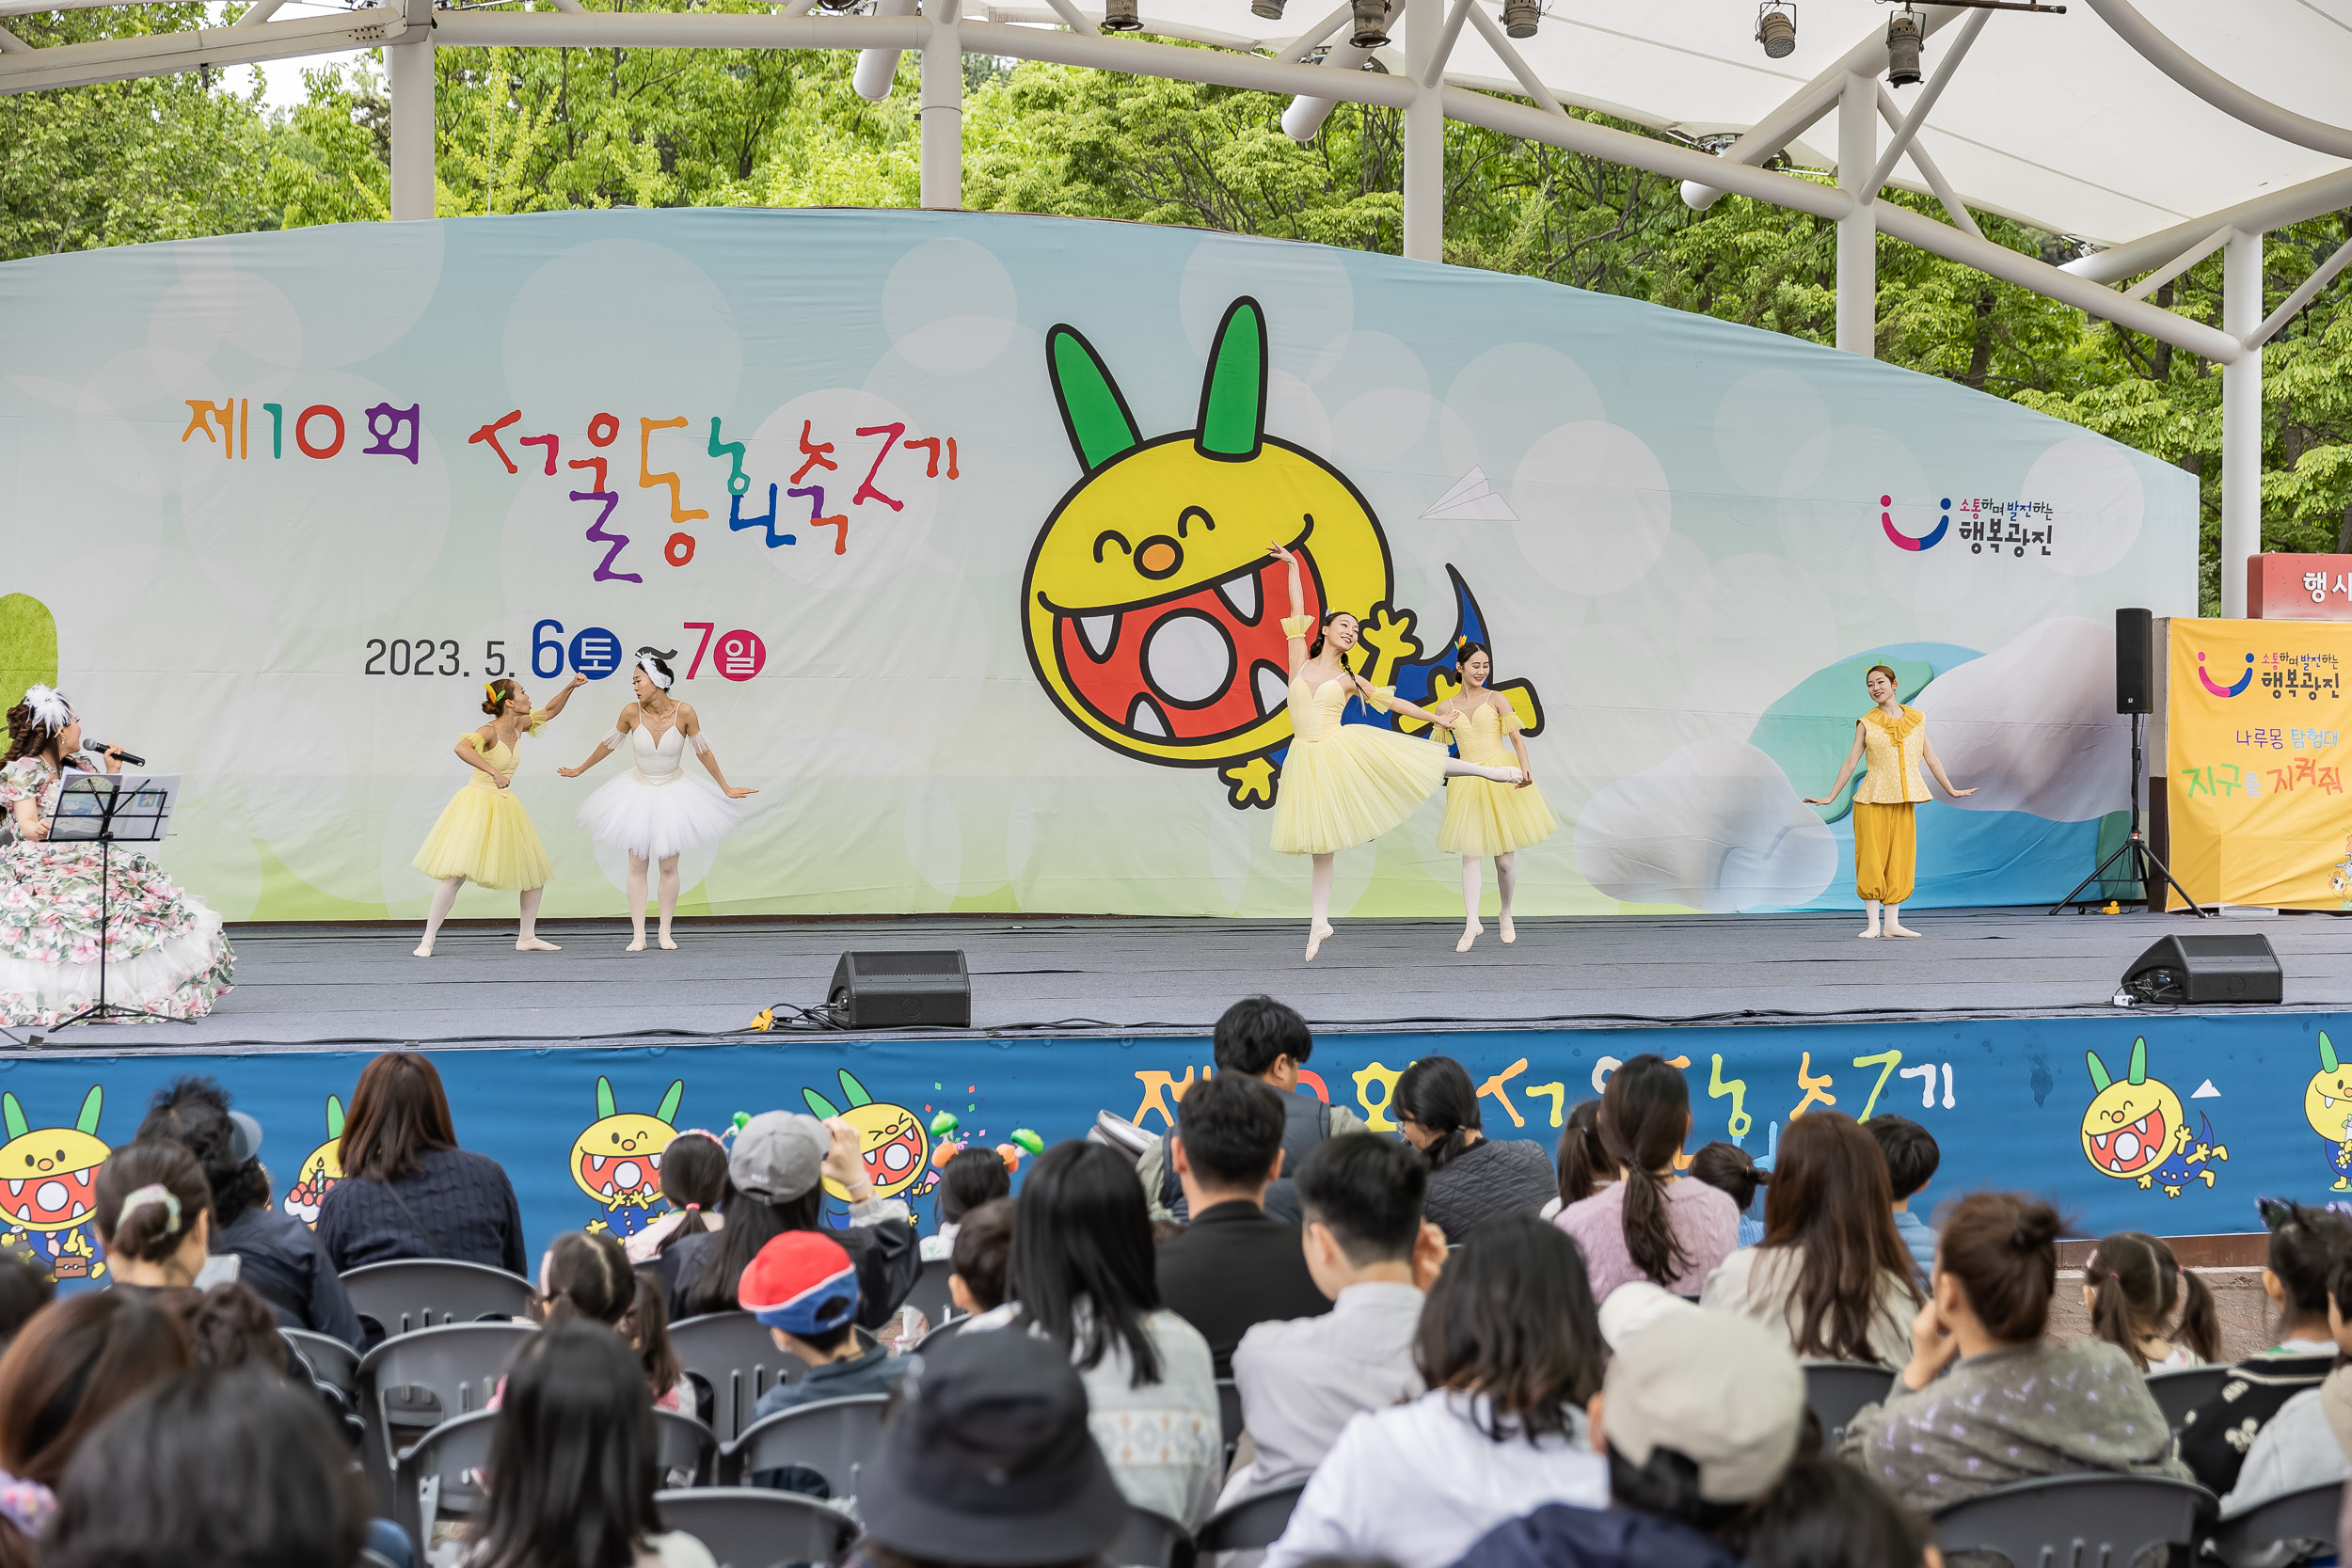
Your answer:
<point x="1509" y="934"/>
<point x="534" y="944"/>
<point x="423" y="949"/>
<point x="637" y="946"/>
<point x="667" y="945"/>
<point x="1315" y="938"/>
<point x="1894" y="930"/>
<point x="1469" y="933"/>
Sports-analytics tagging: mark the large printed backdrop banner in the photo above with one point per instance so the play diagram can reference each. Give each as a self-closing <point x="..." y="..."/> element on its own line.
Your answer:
<point x="961" y="543"/>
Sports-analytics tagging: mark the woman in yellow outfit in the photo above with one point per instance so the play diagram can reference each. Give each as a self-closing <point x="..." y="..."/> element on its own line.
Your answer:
<point x="1886" y="838"/>
<point x="485" y="835"/>
<point x="1485" y="818"/>
<point x="1345" y="785"/>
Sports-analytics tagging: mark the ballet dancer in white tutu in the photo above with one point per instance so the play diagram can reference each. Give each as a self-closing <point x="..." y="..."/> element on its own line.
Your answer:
<point x="654" y="812"/>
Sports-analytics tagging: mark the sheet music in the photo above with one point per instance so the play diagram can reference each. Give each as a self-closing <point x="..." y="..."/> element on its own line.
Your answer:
<point x="130" y="808"/>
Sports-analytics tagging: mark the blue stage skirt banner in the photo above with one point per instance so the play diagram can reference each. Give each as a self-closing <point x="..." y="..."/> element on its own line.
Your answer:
<point x="956" y="525"/>
<point x="2171" y="1125"/>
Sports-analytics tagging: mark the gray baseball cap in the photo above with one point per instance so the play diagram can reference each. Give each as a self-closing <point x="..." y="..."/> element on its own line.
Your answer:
<point x="1722" y="1390"/>
<point x="778" y="1155"/>
<point x="248" y="1141"/>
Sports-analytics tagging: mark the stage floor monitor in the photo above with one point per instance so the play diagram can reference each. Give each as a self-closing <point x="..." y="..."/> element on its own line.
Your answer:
<point x="901" y="991"/>
<point x="2195" y="967"/>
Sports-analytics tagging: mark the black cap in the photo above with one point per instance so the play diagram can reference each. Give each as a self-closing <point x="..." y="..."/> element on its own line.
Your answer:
<point x="986" y="1457"/>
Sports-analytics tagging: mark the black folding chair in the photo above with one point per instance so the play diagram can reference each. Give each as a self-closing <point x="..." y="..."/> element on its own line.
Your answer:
<point x="832" y="1437"/>
<point x="1257" y="1521"/>
<point x="750" y="1526"/>
<point x="2086" y="1521"/>
<point x="1834" y="1390"/>
<point x="441" y="1473"/>
<point x="683" y="1443"/>
<point x="2179" y="1390"/>
<point x="415" y="1381"/>
<point x="1149" y="1540"/>
<point x="2308" y="1516"/>
<point x="930" y="1295"/>
<point x="419" y="1292"/>
<point x="731" y="1355"/>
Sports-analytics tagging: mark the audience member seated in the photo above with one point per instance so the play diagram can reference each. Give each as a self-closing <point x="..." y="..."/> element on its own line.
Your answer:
<point x="1259" y="1038"/>
<point x="1236" y="1264"/>
<point x="277" y="1255"/>
<point x="1700" y="1416"/>
<point x="1911" y="1161"/>
<point x="1372" y="1254"/>
<point x="212" y="1467"/>
<point x="987" y="1458"/>
<point x="1824" y="1514"/>
<point x="2306" y="1245"/>
<point x="1832" y="1272"/>
<point x="647" y="1330"/>
<point x="1733" y="1172"/>
<point x="229" y="1326"/>
<point x="26" y="1285"/>
<point x="407" y="1190"/>
<point x="695" y="1184"/>
<point x="1583" y="1168"/>
<point x="586" y="1278"/>
<point x="778" y="1168"/>
<point x="2013" y="1406"/>
<point x="983" y="1256"/>
<point x="2131" y="1285"/>
<point x="1650" y="1225"/>
<point x="73" y="1365"/>
<point x="1470" y="1178"/>
<point x="153" y="1217"/>
<point x="804" y="1288"/>
<point x="571" y="1474"/>
<point x="973" y="1177"/>
<point x="1511" y="1352"/>
<point x="1082" y="1277"/>
<point x="2308" y="1441"/>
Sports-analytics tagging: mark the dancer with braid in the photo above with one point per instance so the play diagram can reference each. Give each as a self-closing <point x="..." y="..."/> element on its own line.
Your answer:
<point x="485" y="835"/>
<point x="1483" y="818"/>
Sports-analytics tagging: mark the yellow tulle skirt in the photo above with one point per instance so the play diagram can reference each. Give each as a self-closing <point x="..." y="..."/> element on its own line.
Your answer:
<point x="485" y="836"/>
<point x="1351" y="786"/>
<point x="1483" y="818"/>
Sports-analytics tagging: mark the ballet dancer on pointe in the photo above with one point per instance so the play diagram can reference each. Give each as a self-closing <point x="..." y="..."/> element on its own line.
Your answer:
<point x="1345" y="785"/>
<point x="1886" y="836"/>
<point x="485" y="835"/>
<point x="1484" y="819"/>
<point x="655" y="811"/>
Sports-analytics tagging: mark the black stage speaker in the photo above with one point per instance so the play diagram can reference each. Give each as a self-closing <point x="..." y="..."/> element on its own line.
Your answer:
<point x="900" y="990"/>
<point x="2207" y="969"/>
<point x="2135" y="691"/>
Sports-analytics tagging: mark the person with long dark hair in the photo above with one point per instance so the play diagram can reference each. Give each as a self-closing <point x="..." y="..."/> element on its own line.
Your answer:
<point x="1653" y="1223"/>
<point x="407" y="1190"/>
<point x="1583" y="1165"/>
<point x="1885" y="833"/>
<point x="1471" y="1177"/>
<point x="1481" y="817"/>
<point x="695" y="1184"/>
<point x="971" y="1176"/>
<point x="656" y="810"/>
<point x="1832" y="1272"/>
<point x="1733" y="1172"/>
<point x="2132" y="1285"/>
<point x="484" y="835"/>
<point x="1510" y="1348"/>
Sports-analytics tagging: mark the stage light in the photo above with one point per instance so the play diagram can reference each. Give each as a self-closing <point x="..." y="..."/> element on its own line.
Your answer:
<point x="1519" y="17"/>
<point x="1372" y="24"/>
<point x="1118" y="16"/>
<point x="1902" y="49"/>
<point x="1270" y="9"/>
<point x="1777" y="28"/>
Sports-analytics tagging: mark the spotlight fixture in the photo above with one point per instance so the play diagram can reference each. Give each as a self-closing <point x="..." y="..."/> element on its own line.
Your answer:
<point x="1118" y="16"/>
<point x="1777" y="28"/>
<point x="1902" y="49"/>
<point x="1519" y="17"/>
<point x="1270" y="9"/>
<point x="1371" y="29"/>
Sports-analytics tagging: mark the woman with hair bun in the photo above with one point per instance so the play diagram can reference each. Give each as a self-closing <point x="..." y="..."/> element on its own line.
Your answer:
<point x="1481" y="817"/>
<point x="154" y="1215"/>
<point x="655" y="811"/>
<point x="1886" y="835"/>
<point x="2013" y="1406"/>
<point x="167" y="956"/>
<point x="485" y="835"/>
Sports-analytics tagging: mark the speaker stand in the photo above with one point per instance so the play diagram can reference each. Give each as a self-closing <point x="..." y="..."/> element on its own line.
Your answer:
<point x="2141" y="859"/>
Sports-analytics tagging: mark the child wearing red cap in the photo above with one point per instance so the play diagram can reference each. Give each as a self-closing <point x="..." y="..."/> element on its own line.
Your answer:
<point x="803" y="1287"/>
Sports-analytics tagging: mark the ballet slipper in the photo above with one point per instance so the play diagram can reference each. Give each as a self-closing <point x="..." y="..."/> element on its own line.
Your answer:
<point x="667" y="945"/>
<point x="1509" y="934"/>
<point x="1469" y="933"/>
<point x="423" y="949"/>
<point x="1897" y="929"/>
<point x="637" y="946"/>
<point x="534" y="945"/>
<point x="1315" y="938"/>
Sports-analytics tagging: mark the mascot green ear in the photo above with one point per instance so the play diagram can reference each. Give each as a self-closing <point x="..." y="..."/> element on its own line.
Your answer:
<point x="2326" y="1059"/>
<point x="1233" y="398"/>
<point x="334" y="1117"/>
<point x="818" y="1105"/>
<point x="2139" y="1060"/>
<point x="604" y="1097"/>
<point x="853" y="1091"/>
<point x="2099" y="1079"/>
<point x="669" y="1102"/>
<point x="88" y="1120"/>
<point x="1093" y="415"/>
<point x="15" y="1115"/>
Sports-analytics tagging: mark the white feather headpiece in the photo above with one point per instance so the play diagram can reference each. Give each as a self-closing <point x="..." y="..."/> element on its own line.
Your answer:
<point x="646" y="661"/>
<point x="50" y="709"/>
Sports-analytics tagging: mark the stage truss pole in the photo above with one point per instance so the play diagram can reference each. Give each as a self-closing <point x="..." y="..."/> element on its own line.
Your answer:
<point x="408" y="72"/>
<point x="942" y="107"/>
<point x="1424" y="133"/>
<point x="1858" y="232"/>
<point x="2241" y="418"/>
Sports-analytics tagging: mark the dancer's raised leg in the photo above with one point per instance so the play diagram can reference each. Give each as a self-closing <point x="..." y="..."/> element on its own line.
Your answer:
<point x="1471" y="929"/>
<point x="1507" y="881"/>
<point x="443" y="896"/>
<point x="669" y="901"/>
<point x="527" y="941"/>
<point x="1319" y="896"/>
<point x="1870" y="907"/>
<point x="637" y="903"/>
<point x="1894" y="926"/>
<point x="1456" y="769"/>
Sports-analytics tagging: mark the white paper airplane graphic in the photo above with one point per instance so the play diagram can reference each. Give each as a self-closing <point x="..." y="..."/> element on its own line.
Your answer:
<point x="1471" y="500"/>
<point x="2206" y="1091"/>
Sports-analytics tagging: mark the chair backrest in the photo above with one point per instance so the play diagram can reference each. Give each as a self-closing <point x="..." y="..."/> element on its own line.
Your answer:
<point x="733" y="1353"/>
<point x="832" y="1437"/>
<point x="1834" y="1390"/>
<point x="683" y="1443"/>
<point x="1228" y="1411"/>
<point x="930" y="1295"/>
<point x="1149" y="1540"/>
<point x="2179" y="1390"/>
<point x="457" y="1364"/>
<point x="750" y="1526"/>
<point x="2086" y="1521"/>
<point x="1257" y="1522"/>
<point x="418" y="1292"/>
<point x="441" y="1472"/>
<point x="2310" y="1514"/>
<point x="331" y="1361"/>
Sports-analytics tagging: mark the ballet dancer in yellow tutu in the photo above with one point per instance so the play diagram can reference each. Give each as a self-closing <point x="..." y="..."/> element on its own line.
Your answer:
<point x="1886" y="836"/>
<point x="1484" y="819"/>
<point x="1345" y="785"/>
<point x="485" y="835"/>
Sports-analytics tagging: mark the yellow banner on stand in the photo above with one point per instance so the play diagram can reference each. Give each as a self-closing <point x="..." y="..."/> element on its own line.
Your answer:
<point x="2255" y="718"/>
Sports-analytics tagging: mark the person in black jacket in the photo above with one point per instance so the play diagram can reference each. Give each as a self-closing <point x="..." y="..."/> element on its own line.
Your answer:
<point x="276" y="1254"/>
<point x="407" y="1190"/>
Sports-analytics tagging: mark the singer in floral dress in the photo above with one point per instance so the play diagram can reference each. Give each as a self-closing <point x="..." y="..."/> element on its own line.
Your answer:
<point x="166" y="953"/>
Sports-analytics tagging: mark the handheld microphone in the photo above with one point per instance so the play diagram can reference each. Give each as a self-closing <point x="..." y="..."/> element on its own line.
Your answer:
<point x="98" y="748"/>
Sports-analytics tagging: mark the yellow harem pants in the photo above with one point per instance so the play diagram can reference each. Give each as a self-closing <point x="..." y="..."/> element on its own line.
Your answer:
<point x="1885" y="851"/>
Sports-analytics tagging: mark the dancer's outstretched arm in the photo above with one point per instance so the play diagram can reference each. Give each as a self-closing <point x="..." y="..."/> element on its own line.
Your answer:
<point x="1843" y="773"/>
<point x="621" y="726"/>
<point x="1935" y="766"/>
<point x="693" y="728"/>
<point x="1298" y="604"/>
<point x="565" y="695"/>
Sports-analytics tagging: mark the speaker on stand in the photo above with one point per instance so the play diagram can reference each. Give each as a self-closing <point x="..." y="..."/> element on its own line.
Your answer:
<point x="2135" y="694"/>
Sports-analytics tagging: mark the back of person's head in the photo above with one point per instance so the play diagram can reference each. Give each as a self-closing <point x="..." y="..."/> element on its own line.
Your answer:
<point x="399" y="1113"/>
<point x="229" y="1326"/>
<point x="1436" y="1093"/>
<point x="26" y="1285"/>
<point x="1730" y="1170"/>
<point x="1082" y="1234"/>
<point x="775" y="1170"/>
<point x="148" y="1196"/>
<point x="1701" y="1413"/>
<point x="210" y="1468"/>
<point x="983" y="1252"/>
<point x="2135" y="1283"/>
<point x="1826" y="1513"/>
<point x="194" y="1114"/>
<point x="1255" y="1032"/>
<point x="1910" y="1151"/>
<point x="2306" y="1243"/>
<point x="975" y="1176"/>
<point x="694" y="1179"/>
<point x="647" y="1329"/>
<point x="71" y="1367"/>
<point x="1512" y="1319"/>
<point x="1584" y="1168"/>
<point x="570" y="1478"/>
<point x="1366" y="1191"/>
<point x="587" y="1276"/>
<point x="2002" y="1249"/>
<point x="803" y="1283"/>
<point x="1829" y="1203"/>
<point x="1231" y="1128"/>
<point x="1644" y="1116"/>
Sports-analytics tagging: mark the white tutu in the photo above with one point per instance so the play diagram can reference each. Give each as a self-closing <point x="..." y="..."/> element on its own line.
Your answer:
<point x="655" y="818"/>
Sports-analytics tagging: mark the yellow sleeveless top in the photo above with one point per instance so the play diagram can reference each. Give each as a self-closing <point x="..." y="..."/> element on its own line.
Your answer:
<point x="1892" y="751"/>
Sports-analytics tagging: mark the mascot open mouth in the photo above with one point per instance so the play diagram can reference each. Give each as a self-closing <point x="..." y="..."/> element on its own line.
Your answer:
<point x="2128" y="1150"/>
<point x="625" y="1176"/>
<point x="1200" y="665"/>
<point x="52" y="1200"/>
<point x="896" y="1160"/>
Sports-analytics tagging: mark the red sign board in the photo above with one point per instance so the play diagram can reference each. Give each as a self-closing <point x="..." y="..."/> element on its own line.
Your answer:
<point x="2298" y="587"/>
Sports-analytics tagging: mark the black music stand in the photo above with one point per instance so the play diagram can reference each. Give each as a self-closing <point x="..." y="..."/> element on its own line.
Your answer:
<point x="108" y="809"/>
<point x="2143" y="859"/>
